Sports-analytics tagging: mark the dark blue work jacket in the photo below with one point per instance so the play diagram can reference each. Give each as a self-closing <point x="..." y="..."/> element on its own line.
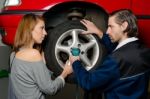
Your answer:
<point x="122" y="75"/>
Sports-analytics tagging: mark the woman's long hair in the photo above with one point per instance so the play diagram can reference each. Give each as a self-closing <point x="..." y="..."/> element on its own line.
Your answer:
<point x="23" y="37"/>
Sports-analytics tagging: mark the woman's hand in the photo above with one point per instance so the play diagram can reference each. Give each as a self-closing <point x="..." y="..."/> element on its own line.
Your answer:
<point x="67" y="69"/>
<point x="68" y="66"/>
<point x="73" y="59"/>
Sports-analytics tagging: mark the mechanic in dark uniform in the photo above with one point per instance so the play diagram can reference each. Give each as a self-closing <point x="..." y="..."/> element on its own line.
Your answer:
<point x="124" y="73"/>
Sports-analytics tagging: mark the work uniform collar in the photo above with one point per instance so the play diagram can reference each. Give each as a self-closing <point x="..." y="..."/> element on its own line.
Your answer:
<point x="131" y="39"/>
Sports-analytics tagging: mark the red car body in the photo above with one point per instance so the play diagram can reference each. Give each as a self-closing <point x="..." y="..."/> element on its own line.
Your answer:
<point x="10" y="15"/>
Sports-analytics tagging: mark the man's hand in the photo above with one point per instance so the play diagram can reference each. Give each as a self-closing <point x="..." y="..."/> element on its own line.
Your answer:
<point x="91" y="28"/>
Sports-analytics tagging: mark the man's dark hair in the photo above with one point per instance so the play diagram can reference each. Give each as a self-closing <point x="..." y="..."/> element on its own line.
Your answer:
<point x="125" y="15"/>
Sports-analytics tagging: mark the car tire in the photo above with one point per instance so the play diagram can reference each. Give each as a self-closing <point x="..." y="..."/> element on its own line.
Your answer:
<point x="54" y="35"/>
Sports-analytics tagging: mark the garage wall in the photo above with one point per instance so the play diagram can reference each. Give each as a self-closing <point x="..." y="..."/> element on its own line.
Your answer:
<point x="4" y="65"/>
<point x="1" y="3"/>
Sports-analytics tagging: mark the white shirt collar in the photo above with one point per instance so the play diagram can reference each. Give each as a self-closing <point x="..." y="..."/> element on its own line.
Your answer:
<point x="126" y="41"/>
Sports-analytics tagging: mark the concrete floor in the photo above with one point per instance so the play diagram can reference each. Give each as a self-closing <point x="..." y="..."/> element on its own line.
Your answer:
<point x="3" y="88"/>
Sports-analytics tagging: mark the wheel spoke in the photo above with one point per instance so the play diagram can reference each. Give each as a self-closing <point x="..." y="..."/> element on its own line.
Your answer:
<point x="89" y="45"/>
<point x="85" y="60"/>
<point x="62" y="48"/>
<point x="75" y="37"/>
